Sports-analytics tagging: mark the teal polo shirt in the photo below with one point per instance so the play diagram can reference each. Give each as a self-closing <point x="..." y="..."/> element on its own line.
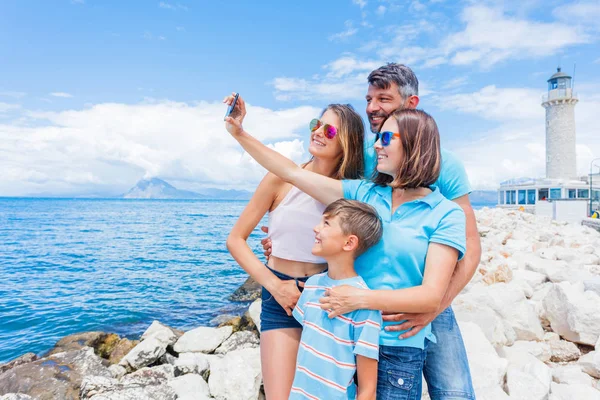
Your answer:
<point x="453" y="181"/>
<point x="397" y="261"/>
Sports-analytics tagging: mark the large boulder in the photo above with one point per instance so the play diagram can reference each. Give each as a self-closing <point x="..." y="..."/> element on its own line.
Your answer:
<point x="572" y="392"/>
<point x="573" y="313"/>
<point x="590" y="364"/>
<point x="254" y="312"/>
<point x="58" y="376"/>
<point x="202" y="339"/>
<point x="539" y="350"/>
<point x="467" y="308"/>
<point x="16" y="396"/>
<point x="249" y="291"/>
<point x="103" y="343"/>
<point x="236" y="376"/>
<point x="571" y="374"/>
<point x="239" y="340"/>
<point x="24" y="359"/>
<point x="487" y="368"/>
<point x="149" y="350"/>
<point x="192" y="363"/>
<point x="527" y="377"/>
<point x="144" y="384"/>
<point x="190" y="387"/>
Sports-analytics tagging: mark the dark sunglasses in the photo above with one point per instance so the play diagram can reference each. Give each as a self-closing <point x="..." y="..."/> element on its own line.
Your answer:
<point x="329" y="130"/>
<point x="386" y="137"/>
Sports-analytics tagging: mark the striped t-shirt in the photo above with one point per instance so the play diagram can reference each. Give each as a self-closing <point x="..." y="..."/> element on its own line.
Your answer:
<point x="328" y="347"/>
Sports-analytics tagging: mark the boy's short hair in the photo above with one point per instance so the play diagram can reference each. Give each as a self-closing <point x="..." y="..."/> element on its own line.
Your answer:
<point x="357" y="218"/>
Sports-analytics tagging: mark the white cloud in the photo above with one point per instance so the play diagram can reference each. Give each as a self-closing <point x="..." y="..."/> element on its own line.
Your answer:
<point x="582" y="12"/>
<point x="13" y="94"/>
<point x="360" y="3"/>
<point x="171" y="6"/>
<point x="109" y="146"/>
<point x="5" y="107"/>
<point x="490" y="36"/>
<point x="381" y="11"/>
<point x="349" y="32"/>
<point x="61" y="94"/>
<point x="180" y="29"/>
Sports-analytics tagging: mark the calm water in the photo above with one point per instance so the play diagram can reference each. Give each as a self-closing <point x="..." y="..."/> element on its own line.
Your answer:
<point x="72" y="265"/>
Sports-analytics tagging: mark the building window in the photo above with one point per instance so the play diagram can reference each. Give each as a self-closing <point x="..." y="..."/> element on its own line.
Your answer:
<point x="543" y="194"/>
<point x="530" y="196"/>
<point x="596" y="195"/>
<point x="522" y="197"/>
<point x="555" y="193"/>
<point x="572" y="193"/>
<point x="583" y="193"/>
<point x="513" y="197"/>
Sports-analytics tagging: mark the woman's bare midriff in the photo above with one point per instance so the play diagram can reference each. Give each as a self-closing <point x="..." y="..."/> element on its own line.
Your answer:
<point x="296" y="269"/>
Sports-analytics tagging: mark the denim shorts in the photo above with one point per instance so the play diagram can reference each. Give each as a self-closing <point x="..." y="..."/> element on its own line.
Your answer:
<point x="399" y="373"/>
<point x="272" y="315"/>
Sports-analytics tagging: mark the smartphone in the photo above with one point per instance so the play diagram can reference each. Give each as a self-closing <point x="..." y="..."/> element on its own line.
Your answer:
<point x="232" y="106"/>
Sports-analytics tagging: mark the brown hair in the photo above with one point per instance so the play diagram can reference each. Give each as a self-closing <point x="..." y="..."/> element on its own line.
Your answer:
<point x="351" y="134"/>
<point x="420" y="141"/>
<point x="357" y="218"/>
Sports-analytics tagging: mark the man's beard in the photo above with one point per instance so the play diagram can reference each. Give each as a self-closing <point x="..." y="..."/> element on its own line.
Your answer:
<point x="376" y="129"/>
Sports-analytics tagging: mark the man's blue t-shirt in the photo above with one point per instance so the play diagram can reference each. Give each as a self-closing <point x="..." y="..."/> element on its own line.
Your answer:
<point x="453" y="181"/>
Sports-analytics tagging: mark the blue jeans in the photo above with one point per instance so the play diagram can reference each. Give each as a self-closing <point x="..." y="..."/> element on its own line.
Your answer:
<point x="399" y="373"/>
<point x="446" y="365"/>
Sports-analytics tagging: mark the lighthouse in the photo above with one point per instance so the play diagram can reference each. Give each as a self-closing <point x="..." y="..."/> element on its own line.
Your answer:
<point x="559" y="102"/>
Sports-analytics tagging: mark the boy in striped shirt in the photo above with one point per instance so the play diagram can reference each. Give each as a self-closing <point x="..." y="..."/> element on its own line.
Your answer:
<point x="333" y="351"/>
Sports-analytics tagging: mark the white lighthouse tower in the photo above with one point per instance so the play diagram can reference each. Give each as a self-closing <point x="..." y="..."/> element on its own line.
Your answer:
<point x="561" y="194"/>
<point x="559" y="102"/>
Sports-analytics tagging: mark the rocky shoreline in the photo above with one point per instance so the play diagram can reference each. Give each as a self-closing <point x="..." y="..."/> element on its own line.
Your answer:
<point x="530" y="321"/>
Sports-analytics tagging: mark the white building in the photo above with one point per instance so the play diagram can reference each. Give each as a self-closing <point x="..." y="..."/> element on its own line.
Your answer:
<point x="561" y="185"/>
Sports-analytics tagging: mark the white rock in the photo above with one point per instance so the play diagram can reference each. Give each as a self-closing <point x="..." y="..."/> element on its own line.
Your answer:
<point x="202" y="339"/>
<point x="573" y="392"/>
<point x="236" y="376"/>
<point x="571" y="374"/>
<point x="254" y="312"/>
<point x="597" y="348"/>
<point x="156" y="329"/>
<point x="191" y="363"/>
<point x="533" y="279"/>
<point x="514" y="245"/>
<point x="539" y="350"/>
<point x="145" y="353"/>
<point x="527" y="377"/>
<point x="239" y="340"/>
<point x="592" y="284"/>
<point x="551" y="337"/>
<point x="548" y="253"/>
<point x="487" y="369"/>
<point x="469" y="309"/>
<point x="190" y="387"/>
<point x="590" y="364"/>
<point x="572" y="313"/>
<point x="491" y="393"/>
<point x="563" y="351"/>
<point x="16" y="396"/>
<point x="117" y="371"/>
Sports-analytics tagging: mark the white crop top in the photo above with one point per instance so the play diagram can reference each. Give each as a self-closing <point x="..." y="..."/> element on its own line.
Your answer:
<point x="291" y="227"/>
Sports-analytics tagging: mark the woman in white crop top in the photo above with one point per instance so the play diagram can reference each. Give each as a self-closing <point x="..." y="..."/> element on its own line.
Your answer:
<point x="336" y="146"/>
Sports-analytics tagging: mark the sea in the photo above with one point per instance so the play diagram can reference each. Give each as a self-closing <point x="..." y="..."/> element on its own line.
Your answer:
<point x="114" y="265"/>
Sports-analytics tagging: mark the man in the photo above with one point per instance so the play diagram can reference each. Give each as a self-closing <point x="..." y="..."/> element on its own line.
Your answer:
<point x="391" y="87"/>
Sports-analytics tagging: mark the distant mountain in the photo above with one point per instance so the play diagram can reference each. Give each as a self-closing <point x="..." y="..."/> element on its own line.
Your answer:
<point x="484" y="196"/>
<point x="156" y="188"/>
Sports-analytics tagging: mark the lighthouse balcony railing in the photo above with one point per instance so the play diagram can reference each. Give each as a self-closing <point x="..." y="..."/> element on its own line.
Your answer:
<point x="558" y="94"/>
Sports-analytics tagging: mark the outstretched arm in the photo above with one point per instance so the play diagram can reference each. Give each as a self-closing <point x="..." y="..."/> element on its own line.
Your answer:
<point x="322" y="188"/>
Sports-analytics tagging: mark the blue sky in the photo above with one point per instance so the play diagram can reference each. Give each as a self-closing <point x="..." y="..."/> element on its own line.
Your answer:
<point x="96" y="94"/>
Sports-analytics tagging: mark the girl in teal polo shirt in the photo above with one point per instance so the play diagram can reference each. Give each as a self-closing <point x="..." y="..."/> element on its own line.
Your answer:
<point x="423" y="236"/>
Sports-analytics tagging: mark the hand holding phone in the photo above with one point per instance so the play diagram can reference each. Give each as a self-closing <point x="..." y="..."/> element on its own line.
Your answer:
<point x="231" y="107"/>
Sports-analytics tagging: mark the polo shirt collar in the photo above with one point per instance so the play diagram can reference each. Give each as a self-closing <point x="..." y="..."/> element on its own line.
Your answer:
<point x="432" y="199"/>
